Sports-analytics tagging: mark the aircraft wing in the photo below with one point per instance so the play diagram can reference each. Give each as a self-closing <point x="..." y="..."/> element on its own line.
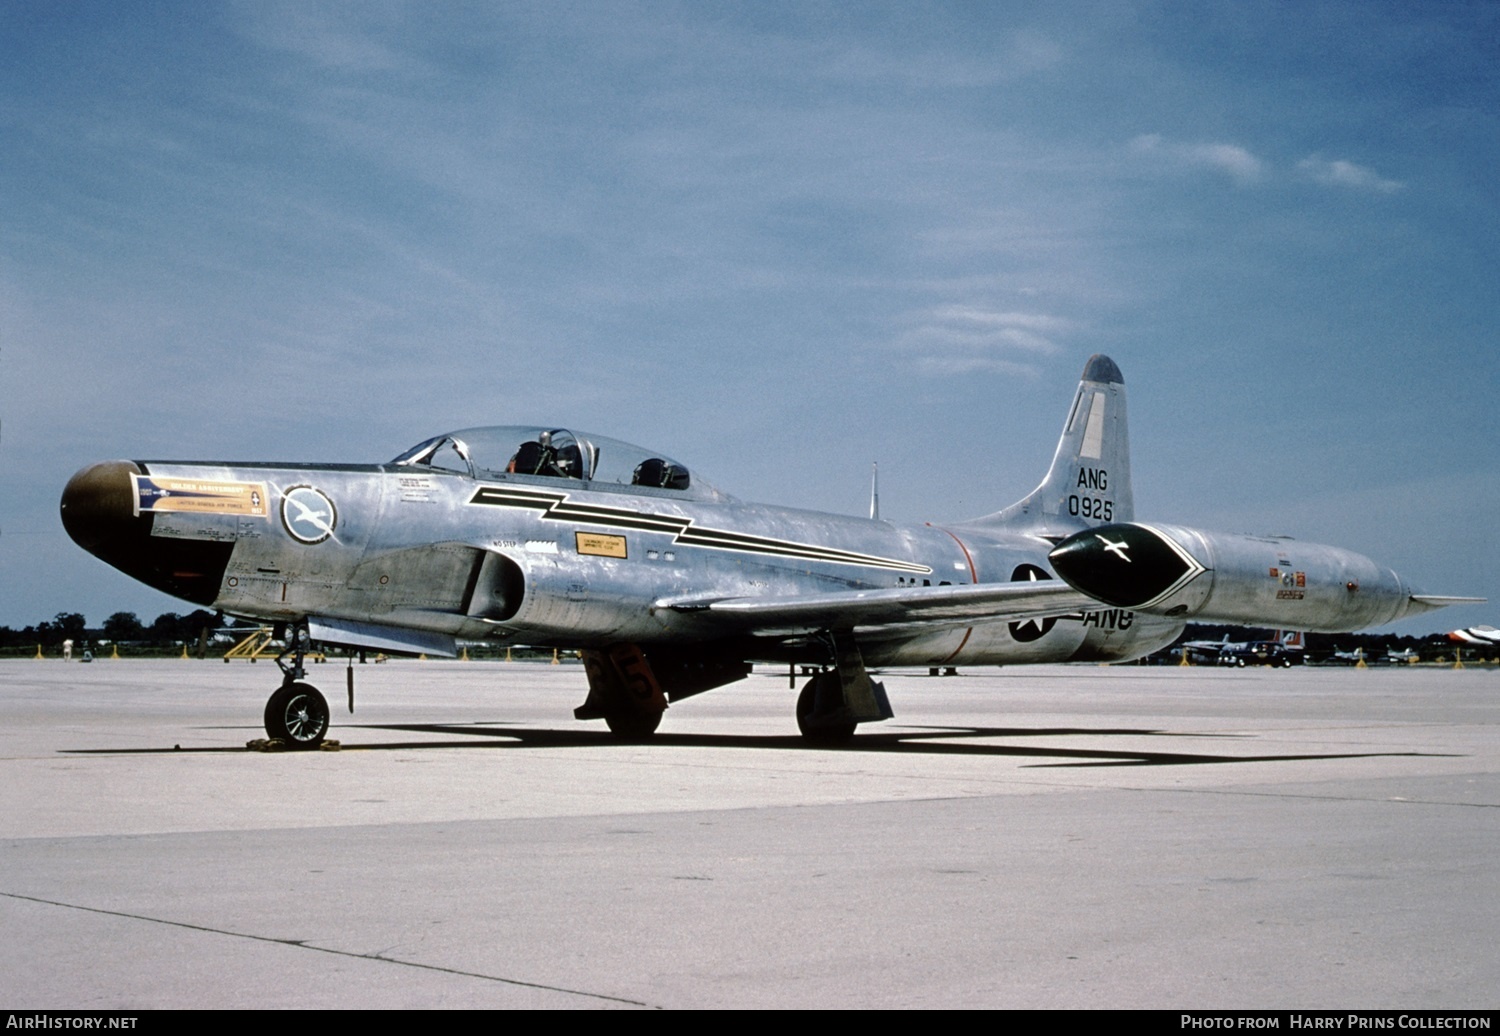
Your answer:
<point x="902" y="606"/>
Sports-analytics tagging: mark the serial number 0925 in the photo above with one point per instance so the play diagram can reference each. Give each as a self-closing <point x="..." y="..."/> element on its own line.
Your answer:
<point x="1091" y="507"/>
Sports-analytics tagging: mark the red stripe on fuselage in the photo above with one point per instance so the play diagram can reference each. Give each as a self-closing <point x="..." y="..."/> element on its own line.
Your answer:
<point x="973" y="578"/>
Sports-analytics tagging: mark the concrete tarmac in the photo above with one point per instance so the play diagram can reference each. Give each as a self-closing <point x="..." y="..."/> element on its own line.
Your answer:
<point x="1031" y="837"/>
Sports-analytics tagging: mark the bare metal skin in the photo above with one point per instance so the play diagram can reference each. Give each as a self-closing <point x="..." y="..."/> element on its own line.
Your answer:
<point x="669" y="587"/>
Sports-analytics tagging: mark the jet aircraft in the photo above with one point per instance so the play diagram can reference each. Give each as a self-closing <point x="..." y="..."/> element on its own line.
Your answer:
<point x="1484" y="636"/>
<point x="1284" y="644"/>
<point x="668" y="587"/>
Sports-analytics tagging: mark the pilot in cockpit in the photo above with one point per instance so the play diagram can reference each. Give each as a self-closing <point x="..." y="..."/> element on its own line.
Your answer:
<point x="535" y="458"/>
<point x="540" y="457"/>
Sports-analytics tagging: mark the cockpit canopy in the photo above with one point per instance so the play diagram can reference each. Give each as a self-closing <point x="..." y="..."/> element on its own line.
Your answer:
<point x="503" y="452"/>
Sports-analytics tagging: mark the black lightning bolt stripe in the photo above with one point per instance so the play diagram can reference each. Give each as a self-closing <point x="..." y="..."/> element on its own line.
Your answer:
<point x="556" y="507"/>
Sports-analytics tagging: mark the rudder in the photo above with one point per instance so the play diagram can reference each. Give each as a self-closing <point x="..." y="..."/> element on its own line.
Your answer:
<point x="1089" y="481"/>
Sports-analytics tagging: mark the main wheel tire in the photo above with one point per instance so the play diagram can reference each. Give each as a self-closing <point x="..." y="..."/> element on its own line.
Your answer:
<point x="297" y="715"/>
<point x="819" y="733"/>
<point x="632" y="726"/>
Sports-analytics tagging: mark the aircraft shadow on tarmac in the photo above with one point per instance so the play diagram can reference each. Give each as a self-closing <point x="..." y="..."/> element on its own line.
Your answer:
<point x="947" y="741"/>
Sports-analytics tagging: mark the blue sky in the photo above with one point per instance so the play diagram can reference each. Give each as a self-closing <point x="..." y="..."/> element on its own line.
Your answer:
<point x="778" y="241"/>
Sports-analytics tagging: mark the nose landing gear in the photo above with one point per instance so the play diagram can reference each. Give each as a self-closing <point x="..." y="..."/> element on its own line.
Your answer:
<point x="297" y="714"/>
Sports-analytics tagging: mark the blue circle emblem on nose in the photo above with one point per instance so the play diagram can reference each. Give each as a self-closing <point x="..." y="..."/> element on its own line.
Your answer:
<point x="308" y="514"/>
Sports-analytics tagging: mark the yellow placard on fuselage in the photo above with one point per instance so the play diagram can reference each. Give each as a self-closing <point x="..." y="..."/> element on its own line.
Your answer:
<point x="600" y="544"/>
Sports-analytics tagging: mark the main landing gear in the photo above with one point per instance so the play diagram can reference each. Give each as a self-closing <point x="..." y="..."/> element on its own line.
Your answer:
<point x="837" y="700"/>
<point x="623" y="691"/>
<point x="297" y="714"/>
<point x="821" y="716"/>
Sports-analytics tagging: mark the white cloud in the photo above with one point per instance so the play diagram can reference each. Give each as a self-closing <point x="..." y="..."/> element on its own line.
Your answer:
<point x="333" y="39"/>
<point x="943" y="366"/>
<point x="1339" y="173"/>
<point x="966" y="339"/>
<point x="1230" y="159"/>
<point x="977" y="317"/>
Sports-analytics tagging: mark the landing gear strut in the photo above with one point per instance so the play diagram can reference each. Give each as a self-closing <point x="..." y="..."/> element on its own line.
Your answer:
<point x="297" y="714"/>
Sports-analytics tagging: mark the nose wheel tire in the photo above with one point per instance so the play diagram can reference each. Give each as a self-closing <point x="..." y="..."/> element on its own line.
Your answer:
<point x="297" y="715"/>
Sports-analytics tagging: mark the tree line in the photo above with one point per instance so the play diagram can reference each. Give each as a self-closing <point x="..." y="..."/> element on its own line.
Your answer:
<point x="123" y="629"/>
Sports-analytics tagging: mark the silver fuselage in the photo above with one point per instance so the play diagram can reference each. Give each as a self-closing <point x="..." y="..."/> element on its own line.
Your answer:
<point x="515" y="559"/>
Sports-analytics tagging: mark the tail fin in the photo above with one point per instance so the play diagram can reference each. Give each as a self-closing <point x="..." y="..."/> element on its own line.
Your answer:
<point x="1089" y="481"/>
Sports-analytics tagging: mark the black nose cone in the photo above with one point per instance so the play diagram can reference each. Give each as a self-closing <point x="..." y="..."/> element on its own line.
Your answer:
<point x="1128" y="566"/>
<point x="98" y="505"/>
<point x="99" y="511"/>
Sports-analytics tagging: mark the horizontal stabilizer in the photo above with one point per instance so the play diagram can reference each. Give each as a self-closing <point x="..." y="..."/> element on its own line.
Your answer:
<point x="1432" y="602"/>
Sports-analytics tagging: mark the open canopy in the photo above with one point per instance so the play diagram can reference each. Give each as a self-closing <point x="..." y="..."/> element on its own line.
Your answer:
<point x="507" y="451"/>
